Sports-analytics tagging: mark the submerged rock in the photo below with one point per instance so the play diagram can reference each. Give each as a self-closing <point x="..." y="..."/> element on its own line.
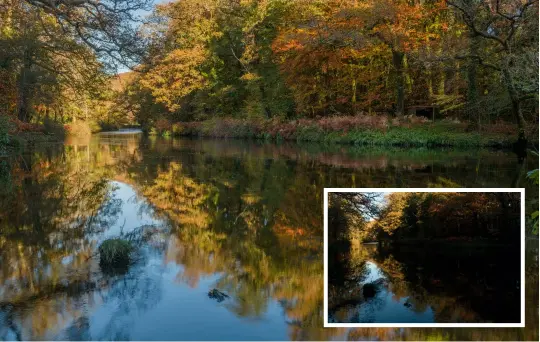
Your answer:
<point x="369" y="290"/>
<point x="217" y="295"/>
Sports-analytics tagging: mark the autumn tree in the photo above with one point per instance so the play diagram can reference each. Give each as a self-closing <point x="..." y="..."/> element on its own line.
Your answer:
<point x="403" y="26"/>
<point x="55" y="55"/>
<point x="512" y="52"/>
<point x="349" y="214"/>
<point x="355" y="44"/>
<point x="49" y="69"/>
<point x="449" y="215"/>
<point x="108" y="27"/>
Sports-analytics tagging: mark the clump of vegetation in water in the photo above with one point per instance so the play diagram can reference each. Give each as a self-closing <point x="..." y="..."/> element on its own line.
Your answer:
<point x="115" y="253"/>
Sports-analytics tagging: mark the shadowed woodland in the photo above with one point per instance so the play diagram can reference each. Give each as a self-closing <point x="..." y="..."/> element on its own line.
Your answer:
<point x="402" y="216"/>
<point x="437" y="257"/>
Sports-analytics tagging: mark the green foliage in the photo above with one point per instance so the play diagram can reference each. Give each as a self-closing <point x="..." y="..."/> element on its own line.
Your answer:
<point x="350" y="130"/>
<point x="222" y="66"/>
<point x="6" y="183"/>
<point x="115" y="252"/>
<point x="430" y="136"/>
<point x="5" y="127"/>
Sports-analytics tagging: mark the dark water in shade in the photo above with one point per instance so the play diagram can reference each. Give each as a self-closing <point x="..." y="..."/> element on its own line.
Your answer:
<point x="241" y="217"/>
<point x="448" y="283"/>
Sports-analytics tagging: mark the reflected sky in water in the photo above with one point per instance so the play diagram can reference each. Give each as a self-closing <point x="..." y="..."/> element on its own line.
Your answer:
<point x="384" y="307"/>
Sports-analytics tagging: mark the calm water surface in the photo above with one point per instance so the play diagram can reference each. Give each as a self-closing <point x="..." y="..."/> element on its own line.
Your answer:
<point x="445" y="283"/>
<point x="241" y="217"/>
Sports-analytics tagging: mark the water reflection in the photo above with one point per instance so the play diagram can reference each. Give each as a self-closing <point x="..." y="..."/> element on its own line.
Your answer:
<point x="243" y="218"/>
<point x="432" y="284"/>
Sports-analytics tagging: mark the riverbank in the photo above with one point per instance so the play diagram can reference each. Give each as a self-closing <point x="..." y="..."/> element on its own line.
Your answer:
<point x="352" y="130"/>
<point x="15" y="134"/>
<point x="18" y="141"/>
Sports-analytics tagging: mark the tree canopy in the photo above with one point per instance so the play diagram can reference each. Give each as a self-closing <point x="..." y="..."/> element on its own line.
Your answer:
<point x="424" y="215"/>
<point x="475" y="61"/>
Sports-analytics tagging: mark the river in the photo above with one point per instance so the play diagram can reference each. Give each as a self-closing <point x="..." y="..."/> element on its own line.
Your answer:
<point x="431" y="283"/>
<point x="242" y="217"/>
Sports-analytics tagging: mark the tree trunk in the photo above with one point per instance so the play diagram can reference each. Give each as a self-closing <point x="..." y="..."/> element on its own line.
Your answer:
<point x="442" y="77"/>
<point x="24" y="92"/>
<point x="353" y="99"/>
<point x="429" y="83"/>
<point x="408" y="78"/>
<point x="472" y="90"/>
<point x="397" y="59"/>
<point x="521" y="144"/>
<point x="266" y="109"/>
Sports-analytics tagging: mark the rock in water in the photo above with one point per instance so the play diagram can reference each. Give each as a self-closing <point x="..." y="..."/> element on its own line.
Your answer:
<point x="369" y="290"/>
<point x="217" y="295"/>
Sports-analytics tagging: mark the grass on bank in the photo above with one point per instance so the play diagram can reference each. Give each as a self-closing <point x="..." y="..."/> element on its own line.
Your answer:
<point x="357" y="130"/>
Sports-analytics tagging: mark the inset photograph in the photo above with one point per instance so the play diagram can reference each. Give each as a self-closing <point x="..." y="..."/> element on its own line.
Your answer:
<point x="424" y="257"/>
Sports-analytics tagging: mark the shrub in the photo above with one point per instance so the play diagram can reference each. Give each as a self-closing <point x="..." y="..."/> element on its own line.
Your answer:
<point x="347" y="123"/>
<point x="177" y="129"/>
<point x="78" y="129"/>
<point x="115" y="253"/>
<point x="52" y="127"/>
<point x="6" y="183"/>
<point x="500" y="127"/>
<point x="5" y="127"/>
<point x="17" y="126"/>
<point x="359" y="130"/>
<point x="106" y="127"/>
<point x="162" y="125"/>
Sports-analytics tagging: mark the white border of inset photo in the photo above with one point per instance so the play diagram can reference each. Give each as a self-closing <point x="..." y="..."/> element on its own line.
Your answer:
<point x="425" y="325"/>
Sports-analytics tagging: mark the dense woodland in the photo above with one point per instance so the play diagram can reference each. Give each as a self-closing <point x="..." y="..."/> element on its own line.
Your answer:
<point x="402" y="216"/>
<point x="474" y="61"/>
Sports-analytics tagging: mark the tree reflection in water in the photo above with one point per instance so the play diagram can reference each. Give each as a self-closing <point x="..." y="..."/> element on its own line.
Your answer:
<point x="414" y="285"/>
<point x="245" y="218"/>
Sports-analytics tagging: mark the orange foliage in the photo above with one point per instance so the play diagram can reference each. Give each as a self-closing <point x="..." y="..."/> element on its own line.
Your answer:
<point x="339" y="60"/>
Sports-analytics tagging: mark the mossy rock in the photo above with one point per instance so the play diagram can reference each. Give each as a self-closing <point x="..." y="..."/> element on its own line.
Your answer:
<point x="115" y="253"/>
